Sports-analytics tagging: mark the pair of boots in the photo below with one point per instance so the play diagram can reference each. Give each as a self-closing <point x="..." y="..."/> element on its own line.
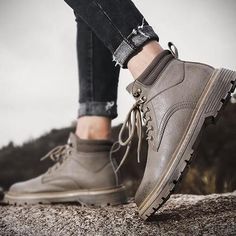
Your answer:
<point x="174" y="99"/>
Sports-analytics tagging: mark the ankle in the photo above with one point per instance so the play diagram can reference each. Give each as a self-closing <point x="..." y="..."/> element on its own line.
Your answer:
<point x="93" y="128"/>
<point x="138" y="63"/>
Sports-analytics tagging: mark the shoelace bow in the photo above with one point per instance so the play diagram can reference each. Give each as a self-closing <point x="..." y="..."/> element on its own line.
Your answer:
<point x="133" y="121"/>
<point x="58" y="155"/>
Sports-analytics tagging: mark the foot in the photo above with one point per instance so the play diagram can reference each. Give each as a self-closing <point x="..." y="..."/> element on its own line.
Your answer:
<point x="83" y="173"/>
<point x="177" y="99"/>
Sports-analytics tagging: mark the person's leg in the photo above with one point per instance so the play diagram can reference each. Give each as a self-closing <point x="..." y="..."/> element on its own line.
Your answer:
<point x="139" y="62"/>
<point x="98" y="81"/>
<point x="122" y="28"/>
<point x="83" y="171"/>
<point x="176" y="98"/>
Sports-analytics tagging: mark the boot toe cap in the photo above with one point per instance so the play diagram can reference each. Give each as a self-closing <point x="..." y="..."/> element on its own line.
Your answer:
<point x="25" y="186"/>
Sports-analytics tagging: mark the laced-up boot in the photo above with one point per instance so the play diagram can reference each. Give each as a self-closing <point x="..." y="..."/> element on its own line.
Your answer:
<point x="83" y="173"/>
<point x="176" y="99"/>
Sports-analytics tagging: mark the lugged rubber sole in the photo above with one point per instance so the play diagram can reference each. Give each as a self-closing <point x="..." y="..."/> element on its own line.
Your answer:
<point x="217" y="93"/>
<point x="89" y="198"/>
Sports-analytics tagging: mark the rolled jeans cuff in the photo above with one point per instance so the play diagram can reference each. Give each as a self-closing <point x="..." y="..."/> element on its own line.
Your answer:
<point x="133" y="44"/>
<point x="107" y="109"/>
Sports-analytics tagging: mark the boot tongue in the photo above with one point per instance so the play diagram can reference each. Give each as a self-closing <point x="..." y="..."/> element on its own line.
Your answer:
<point x="129" y="88"/>
<point x="73" y="140"/>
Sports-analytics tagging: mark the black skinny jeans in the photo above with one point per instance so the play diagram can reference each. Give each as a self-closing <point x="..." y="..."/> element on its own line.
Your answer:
<point x="98" y="75"/>
<point x="108" y="31"/>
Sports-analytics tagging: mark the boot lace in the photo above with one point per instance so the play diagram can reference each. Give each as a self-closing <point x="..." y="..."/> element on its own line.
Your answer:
<point x="134" y="122"/>
<point x="58" y="155"/>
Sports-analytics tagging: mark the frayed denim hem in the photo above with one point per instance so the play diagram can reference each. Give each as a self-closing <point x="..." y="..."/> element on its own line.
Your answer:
<point x="133" y="44"/>
<point x="107" y="109"/>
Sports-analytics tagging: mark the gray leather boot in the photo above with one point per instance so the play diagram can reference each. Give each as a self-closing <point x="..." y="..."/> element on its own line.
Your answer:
<point x="176" y="99"/>
<point x="83" y="173"/>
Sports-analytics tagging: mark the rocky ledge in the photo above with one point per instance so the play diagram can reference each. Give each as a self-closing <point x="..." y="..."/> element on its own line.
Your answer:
<point x="213" y="214"/>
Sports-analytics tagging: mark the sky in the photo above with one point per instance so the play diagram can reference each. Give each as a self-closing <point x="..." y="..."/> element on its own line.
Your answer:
<point x="38" y="68"/>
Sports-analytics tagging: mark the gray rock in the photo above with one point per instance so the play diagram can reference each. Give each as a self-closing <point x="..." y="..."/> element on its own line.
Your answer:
<point x="182" y="215"/>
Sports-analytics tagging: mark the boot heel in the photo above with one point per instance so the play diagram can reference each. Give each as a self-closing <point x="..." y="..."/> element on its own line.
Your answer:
<point x="223" y="85"/>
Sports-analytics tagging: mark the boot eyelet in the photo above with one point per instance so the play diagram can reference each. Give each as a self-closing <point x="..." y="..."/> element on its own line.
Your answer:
<point x="144" y="99"/>
<point x="137" y="93"/>
<point x="149" y="138"/>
